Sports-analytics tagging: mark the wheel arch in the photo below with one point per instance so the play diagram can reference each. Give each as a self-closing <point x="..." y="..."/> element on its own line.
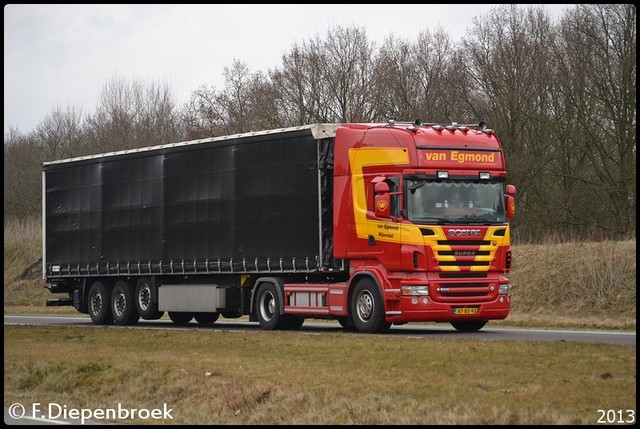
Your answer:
<point x="279" y="285"/>
<point x="362" y="275"/>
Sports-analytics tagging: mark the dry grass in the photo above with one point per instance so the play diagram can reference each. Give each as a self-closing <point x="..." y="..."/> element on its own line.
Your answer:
<point x="579" y="280"/>
<point x="275" y="377"/>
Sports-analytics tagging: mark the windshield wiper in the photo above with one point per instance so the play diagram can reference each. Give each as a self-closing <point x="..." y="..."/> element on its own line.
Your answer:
<point x="476" y="220"/>
<point x="432" y="220"/>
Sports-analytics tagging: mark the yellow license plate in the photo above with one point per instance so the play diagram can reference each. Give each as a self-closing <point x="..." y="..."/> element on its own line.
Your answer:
<point x="465" y="310"/>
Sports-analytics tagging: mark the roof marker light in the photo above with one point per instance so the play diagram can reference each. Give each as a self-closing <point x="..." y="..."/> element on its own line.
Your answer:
<point x="485" y="175"/>
<point x="443" y="174"/>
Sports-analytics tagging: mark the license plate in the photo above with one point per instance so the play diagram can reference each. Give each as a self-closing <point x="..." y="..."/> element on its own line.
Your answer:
<point x="465" y="310"/>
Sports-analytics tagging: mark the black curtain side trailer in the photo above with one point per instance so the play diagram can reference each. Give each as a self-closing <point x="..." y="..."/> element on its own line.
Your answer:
<point x="213" y="211"/>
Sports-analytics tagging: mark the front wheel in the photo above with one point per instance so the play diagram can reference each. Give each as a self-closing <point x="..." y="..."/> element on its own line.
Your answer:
<point x="346" y="323"/>
<point x="367" y="308"/>
<point x="469" y="325"/>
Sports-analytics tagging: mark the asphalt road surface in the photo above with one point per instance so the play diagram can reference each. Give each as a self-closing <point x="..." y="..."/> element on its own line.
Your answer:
<point x="310" y="326"/>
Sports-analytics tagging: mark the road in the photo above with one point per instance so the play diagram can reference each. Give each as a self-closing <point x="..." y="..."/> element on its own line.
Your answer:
<point x="317" y="327"/>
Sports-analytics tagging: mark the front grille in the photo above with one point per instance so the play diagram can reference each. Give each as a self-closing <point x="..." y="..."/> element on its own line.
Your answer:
<point x="463" y="290"/>
<point x="464" y="263"/>
<point x="474" y="275"/>
<point x="463" y="242"/>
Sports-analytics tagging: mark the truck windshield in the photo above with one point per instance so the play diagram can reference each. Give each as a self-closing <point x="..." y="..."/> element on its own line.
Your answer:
<point x="455" y="202"/>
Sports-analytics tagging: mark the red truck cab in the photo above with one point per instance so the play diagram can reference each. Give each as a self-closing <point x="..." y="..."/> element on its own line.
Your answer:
<point x="421" y="212"/>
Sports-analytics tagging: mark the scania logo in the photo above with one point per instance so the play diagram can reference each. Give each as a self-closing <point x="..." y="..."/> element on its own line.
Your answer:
<point x="464" y="233"/>
<point x="464" y="253"/>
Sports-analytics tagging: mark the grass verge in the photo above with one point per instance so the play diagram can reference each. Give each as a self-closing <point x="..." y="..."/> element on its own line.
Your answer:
<point x="265" y="377"/>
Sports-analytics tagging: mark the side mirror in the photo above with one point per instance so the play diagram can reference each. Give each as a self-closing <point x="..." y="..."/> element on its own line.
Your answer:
<point x="382" y="200"/>
<point x="510" y="202"/>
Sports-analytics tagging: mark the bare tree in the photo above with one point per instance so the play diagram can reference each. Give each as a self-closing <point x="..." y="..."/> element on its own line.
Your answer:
<point x="248" y="102"/>
<point x="510" y="70"/>
<point x="59" y="134"/>
<point x="302" y="95"/>
<point x="22" y="175"/>
<point x="347" y="74"/>
<point x="597" y="78"/>
<point x="202" y="115"/>
<point x="415" y="78"/>
<point x="132" y="114"/>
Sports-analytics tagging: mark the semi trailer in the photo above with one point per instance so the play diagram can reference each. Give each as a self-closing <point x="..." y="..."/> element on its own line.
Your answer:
<point x="369" y="224"/>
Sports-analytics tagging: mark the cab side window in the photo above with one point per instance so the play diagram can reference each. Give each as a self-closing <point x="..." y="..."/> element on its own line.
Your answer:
<point x="394" y="186"/>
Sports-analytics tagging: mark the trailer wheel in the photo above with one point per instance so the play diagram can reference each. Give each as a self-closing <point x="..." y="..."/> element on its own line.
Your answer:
<point x="99" y="303"/>
<point x="180" y="317"/>
<point x="123" y="304"/>
<point x="267" y="308"/>
<point x="206" y="318"/>
<point x="469" y="325"/>
<point x="367" y="308"/>
<point x="146" y="300"/>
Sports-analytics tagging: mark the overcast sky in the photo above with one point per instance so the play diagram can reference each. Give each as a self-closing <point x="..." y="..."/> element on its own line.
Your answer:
<point x="64" y="55"/>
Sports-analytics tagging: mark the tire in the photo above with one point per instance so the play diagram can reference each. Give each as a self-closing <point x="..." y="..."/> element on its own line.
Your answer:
<point x="206" y="318"/>
<point x="347" y="323"/>
<point x="147" y="300"/>
<point x="180" y="317"/>
<point x="367" y="308"/>
<point x="268" y="308"/>
<point x="469" y="325"/>
<point x="99" y="303"/>
<point x="123" y="304"/>
<point x="232" y="314"/>
<point x="294" y="322"/>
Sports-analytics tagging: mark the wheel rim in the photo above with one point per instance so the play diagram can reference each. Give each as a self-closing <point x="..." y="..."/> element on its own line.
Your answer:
<point x="144" y="298"/>
<point x="365" y="306"/>
<point x="267" y="306"/>
<point x="119" y="304"/>
<point x="96" y="303"/>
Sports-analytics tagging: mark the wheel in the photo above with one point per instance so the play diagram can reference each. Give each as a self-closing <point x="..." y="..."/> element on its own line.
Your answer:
<point x="180" y="317"/>
<point x="206" y="318"/>
<point x="469" y="325"/>
<point x="231" y="315"/>
<point x="268" y="308"/>
<point x="294" y="322"/>
<point x="147" y="300"/>
<point x="347" y="323"/>
<point x="367" y="308"/>
<point x="99" y="303"/>
<point x="123" y="304"/>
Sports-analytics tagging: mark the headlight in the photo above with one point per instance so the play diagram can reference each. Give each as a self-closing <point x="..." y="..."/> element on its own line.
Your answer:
<point x="504" y="289"/>
<point x="415" y="290"/>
